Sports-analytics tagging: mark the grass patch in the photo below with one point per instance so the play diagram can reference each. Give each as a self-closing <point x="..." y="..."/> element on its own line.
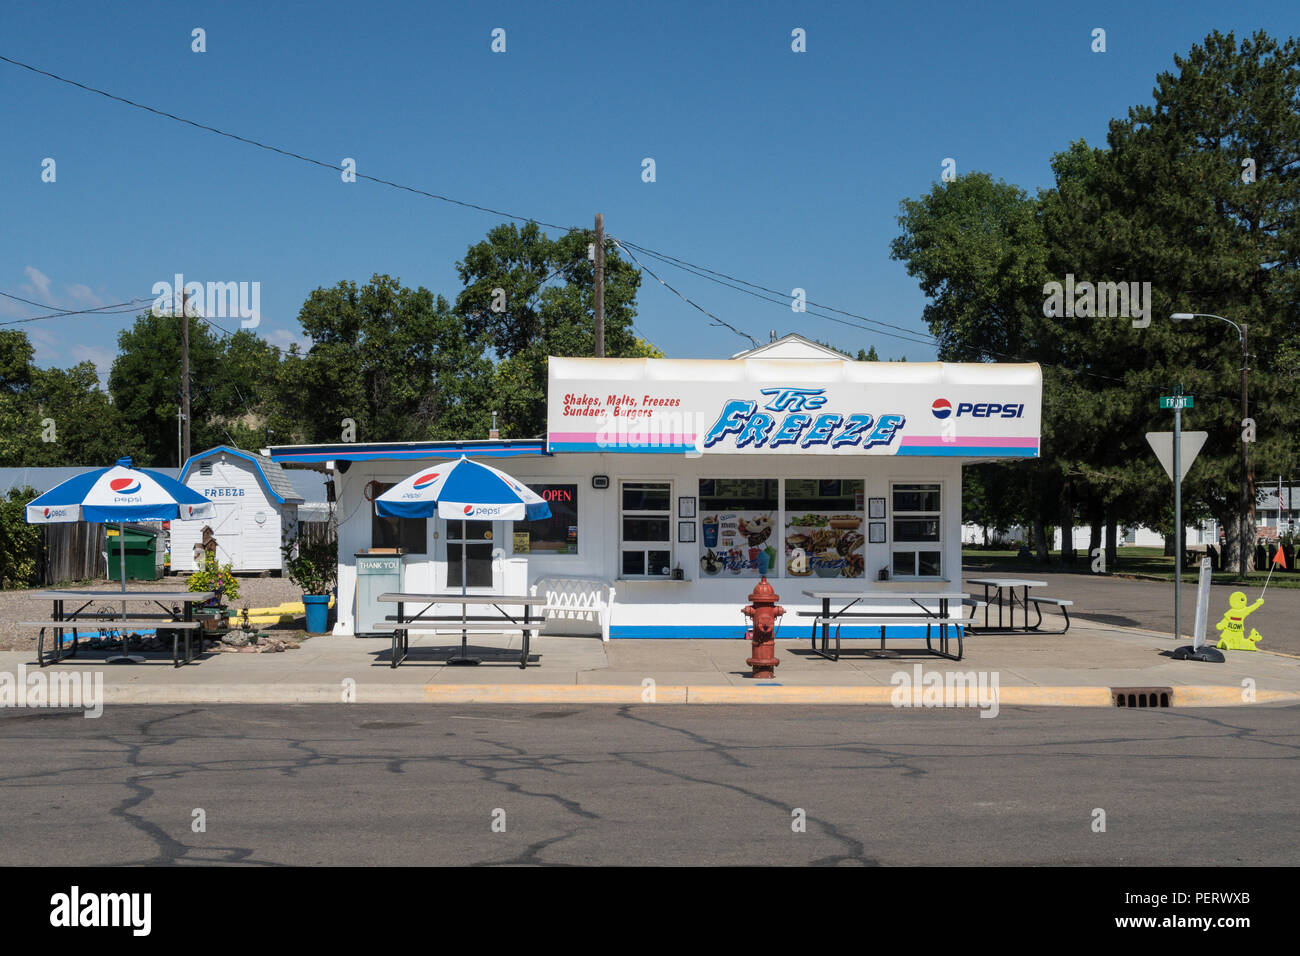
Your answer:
<point x="1131" y="560"/>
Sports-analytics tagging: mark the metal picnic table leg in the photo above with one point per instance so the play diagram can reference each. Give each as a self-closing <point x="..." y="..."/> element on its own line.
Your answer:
<point x="394" y="660"/>
<point x="523" y="660"/>
<point x="826" y="627"/>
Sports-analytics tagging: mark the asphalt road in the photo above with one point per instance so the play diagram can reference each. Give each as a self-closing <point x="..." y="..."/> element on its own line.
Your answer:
<point x="377" y="785"/>
<point x="1150" y="604"/>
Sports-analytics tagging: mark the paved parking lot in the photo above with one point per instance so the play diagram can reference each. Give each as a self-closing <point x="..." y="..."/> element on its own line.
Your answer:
<point x="1124" y="602"/>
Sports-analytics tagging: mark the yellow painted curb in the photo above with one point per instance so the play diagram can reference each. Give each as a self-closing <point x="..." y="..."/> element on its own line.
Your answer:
<point x="552" y="694"/>
<point x="435" y="693"/>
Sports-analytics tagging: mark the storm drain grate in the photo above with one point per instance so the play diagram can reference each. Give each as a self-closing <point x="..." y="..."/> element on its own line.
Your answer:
<point x="1142" y="696"/>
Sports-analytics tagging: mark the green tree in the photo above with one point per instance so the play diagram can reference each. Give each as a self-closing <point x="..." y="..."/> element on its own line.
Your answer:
<point x="1169" y="203"/>
<point x="395" y="361"/>
<point x="70" y="408"/>
<point x="530" y="296"/>
<point x="52" y="417"/>
<point x="19" y="541"/>
<point x="15" y="380"/>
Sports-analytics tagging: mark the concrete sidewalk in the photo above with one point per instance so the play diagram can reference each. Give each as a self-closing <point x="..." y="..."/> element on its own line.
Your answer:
<point x="1076" y="669"/>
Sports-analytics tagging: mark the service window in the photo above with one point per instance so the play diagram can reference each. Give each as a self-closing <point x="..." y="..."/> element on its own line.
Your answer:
<point x="737" y="519"/>
<point x="557" y="534"/>
<point x="645" y="529"/>
<point x="409" y="534"/>
<point x="823" y="527"/>
<point x="917" y="524"/>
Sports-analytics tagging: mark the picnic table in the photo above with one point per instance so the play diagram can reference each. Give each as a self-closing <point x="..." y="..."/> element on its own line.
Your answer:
<point x="402" y="623"/>
<point x="914" y="613"/>
<point x="82" y="618"/>
<point x="1004" y="592"/>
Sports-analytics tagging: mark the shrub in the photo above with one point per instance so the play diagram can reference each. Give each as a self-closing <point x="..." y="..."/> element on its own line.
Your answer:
<point x="215" y="577"/>
<point x="20" y="542"/>
<point x="313" y="565"/>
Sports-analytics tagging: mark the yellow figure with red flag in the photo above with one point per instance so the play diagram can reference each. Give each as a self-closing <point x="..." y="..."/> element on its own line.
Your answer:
<point x="1233" y="623"/>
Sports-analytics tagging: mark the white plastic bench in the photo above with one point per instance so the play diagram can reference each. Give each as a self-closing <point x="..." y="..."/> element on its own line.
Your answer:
<point x="576" y="599"/>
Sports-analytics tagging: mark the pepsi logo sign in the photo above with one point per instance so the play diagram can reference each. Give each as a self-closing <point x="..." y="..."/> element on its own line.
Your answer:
<point x="124" y="486"/>
<point x="941" y="408"/>
<point x="424" y="481"/>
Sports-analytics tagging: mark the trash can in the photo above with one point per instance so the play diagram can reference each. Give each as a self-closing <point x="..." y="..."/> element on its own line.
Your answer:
<point x="376" y="573"/>
<point x="142" y="562"/>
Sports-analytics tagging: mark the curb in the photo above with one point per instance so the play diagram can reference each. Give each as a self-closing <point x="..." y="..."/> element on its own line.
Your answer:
<point x="767" y="694"/>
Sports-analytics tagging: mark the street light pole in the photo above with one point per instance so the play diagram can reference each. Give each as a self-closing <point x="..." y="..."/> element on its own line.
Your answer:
<point x="1246" y="497"/>
<point x="1245" y="503"/>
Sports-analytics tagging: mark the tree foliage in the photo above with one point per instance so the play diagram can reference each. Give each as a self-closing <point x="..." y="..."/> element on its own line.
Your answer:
<point x="1165" y="203"/>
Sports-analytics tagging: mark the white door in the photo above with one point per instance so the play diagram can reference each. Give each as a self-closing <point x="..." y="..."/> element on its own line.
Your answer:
<point x="225" y="526"/>
<point x="482" y="550"/>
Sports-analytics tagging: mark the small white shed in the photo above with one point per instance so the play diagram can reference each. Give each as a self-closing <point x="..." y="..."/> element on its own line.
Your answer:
<point x="256" y="505"/>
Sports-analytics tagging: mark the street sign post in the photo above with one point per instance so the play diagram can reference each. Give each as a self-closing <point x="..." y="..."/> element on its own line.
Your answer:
<point x="1171" y="450"/>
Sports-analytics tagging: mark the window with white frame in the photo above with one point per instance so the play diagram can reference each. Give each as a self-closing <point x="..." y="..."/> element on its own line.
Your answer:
<point x="645" y="529"/>
<point x="917" y="547"/>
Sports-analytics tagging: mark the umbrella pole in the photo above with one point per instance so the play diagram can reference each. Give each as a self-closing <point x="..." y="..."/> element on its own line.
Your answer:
<point x="464" y="589"/>
<point x="121" y="557"/>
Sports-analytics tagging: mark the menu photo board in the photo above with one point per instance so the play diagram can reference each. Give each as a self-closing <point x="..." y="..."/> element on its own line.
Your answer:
<point x="825" y="546"/>
<point x="737" y="543"/>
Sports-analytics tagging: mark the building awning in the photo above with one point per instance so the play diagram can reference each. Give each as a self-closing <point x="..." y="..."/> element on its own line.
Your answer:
<point x="402" y="451"/>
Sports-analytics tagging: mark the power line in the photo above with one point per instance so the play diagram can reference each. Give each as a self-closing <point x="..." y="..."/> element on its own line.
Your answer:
<point x="873" y="325"/>
<point x="114" y="309"/>
<point x="277" y="149"/>
<point x="716" y="276"/>
<point x="716" y="320"/>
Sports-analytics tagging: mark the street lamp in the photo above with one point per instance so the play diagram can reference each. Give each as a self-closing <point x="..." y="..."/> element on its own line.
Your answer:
<point x="1245" y="413"/>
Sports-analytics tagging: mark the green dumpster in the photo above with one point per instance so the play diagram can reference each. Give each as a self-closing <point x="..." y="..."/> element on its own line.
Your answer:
<point x="141" y="555"/>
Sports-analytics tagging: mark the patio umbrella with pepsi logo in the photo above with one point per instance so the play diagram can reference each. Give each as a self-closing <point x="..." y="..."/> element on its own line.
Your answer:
<point x="116" y="495"/>
<point x="466" y="490"/>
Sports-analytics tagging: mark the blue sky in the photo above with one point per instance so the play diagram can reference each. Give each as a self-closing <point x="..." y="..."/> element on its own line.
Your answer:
<point x="783" y="169"/>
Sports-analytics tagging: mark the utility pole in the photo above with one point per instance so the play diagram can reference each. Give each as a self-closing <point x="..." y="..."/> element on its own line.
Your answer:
<point x="599" y="303"/>
<point x="185" y="376"/>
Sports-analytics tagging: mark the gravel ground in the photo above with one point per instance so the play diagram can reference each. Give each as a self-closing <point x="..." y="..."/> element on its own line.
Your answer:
<point x="254" y="592"/>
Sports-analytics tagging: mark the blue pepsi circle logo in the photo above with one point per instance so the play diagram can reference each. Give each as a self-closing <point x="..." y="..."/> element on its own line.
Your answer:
<point x="124" y="486"/>
<point x="424" y="481"/>
<point x="941" y="408"/>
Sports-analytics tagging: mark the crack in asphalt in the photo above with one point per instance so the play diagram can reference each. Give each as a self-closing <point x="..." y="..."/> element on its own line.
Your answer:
<point x="149" y="735"/>
<point x="856" y="849"/>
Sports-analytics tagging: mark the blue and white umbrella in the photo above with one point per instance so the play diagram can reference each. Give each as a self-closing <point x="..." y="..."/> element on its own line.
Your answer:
<point x="466" y="490"/>
<point x="116" y="495"/>
<point x="462" y="489"/>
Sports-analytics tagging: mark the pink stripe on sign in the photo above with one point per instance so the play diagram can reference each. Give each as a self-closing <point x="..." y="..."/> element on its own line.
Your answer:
<point x="597" y="436"/>
<point x="930" y="440"/>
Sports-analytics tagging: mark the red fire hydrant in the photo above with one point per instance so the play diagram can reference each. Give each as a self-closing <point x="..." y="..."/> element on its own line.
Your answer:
<point x="763" y="611"/>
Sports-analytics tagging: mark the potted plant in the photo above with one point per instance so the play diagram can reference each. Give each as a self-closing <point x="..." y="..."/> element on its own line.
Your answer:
<point x="314" y="567"/>
<point x="219" y="579"/>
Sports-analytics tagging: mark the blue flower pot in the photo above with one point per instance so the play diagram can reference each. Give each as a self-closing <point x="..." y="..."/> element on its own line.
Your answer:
<point x="318" y="612"/>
